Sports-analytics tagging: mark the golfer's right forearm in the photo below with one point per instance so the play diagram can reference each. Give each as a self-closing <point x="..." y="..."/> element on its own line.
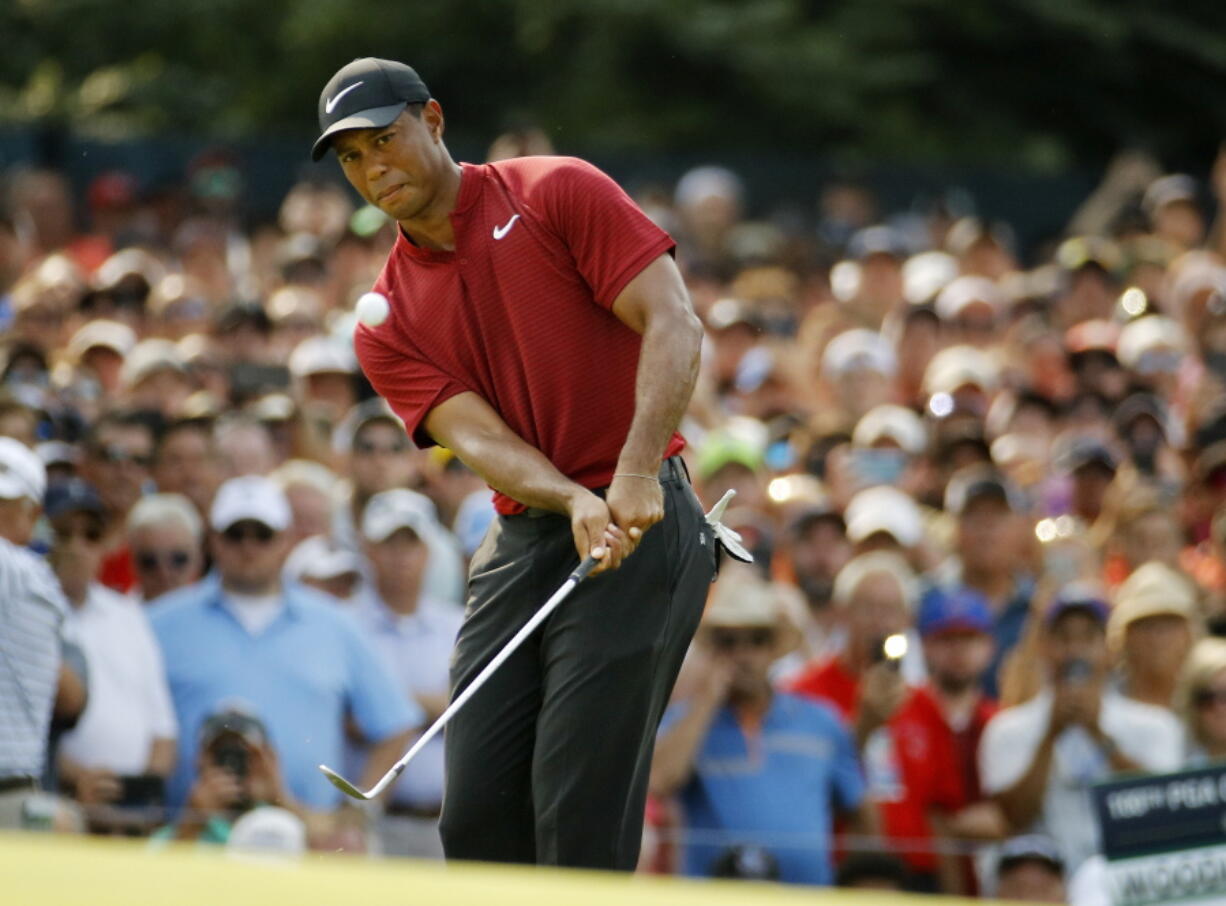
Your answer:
<point x="469" y="427"/>
<point x="520" y="471"/>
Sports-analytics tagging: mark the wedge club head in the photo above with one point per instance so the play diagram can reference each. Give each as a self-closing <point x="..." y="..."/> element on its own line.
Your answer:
<point x="342" y="784"/>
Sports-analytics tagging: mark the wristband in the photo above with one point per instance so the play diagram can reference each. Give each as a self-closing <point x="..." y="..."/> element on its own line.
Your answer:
<point x="636" y="475"/>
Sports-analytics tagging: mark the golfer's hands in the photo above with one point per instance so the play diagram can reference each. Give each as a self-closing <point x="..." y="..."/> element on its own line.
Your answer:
<point x="595" y="532"/>
<point x="636" y="504"/>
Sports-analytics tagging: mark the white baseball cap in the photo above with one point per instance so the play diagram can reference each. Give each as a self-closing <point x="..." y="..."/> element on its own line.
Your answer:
<point x="859" y="349"/>
<point x="965" y="291"/>
<point x="891" y="422"/>
<point x="254" y="497"/>
<point x="884" y="509"/>
<point x="1152" y="333"/>
<point x="322" y="355"/>
<point x="959" y="366"/>
<point x="150" y="356"/>
<point x="926" y="274"/>
<point x="22" y="473"/>
<point x="102" y="332"/>
<point x="317" y="557"/>
<point x="268" y="831"/>
<point x="396" y="509"/>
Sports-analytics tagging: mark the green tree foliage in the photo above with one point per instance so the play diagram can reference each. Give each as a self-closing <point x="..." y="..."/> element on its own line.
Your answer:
<point x="1039" y="83"/>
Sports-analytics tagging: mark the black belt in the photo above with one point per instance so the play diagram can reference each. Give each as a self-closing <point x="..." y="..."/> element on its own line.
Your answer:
<point x="9" y="784"/>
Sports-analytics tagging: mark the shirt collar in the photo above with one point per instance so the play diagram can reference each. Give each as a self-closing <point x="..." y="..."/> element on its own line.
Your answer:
<point x="292" y="594"/>
<point x="472" y="179"/>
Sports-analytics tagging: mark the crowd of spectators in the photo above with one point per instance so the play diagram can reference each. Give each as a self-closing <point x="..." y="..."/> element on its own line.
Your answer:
<point x="985" y="487"/>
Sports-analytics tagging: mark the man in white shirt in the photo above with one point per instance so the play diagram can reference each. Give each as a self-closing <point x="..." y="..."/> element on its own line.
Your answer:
<point x="128" y="729"/>
<point x="1039" y="759"/>
<point x="415" y="633"/>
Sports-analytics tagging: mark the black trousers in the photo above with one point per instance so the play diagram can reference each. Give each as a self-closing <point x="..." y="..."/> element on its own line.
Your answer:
<point x="549" y="762"/>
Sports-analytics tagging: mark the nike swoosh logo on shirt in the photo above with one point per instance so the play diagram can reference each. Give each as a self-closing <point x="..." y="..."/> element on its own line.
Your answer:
<point x="330" y="104"/>
<point x="500" y="231"/>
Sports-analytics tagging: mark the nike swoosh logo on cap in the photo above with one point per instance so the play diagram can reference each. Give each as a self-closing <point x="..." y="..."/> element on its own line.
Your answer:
<point x="330" y="104"/>
<point x="500" y="231"/>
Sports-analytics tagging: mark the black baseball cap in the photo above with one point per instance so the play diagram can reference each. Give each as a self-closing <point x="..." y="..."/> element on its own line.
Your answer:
<point x="72" y="496"/>
<point x="975" y="481"/>
<point x="367" y="93"/>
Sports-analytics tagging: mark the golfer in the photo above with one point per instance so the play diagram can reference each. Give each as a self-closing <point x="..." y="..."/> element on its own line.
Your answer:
<point x="539" y="329"/>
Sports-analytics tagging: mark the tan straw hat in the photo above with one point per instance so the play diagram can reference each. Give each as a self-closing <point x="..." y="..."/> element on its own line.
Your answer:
<point x="741" y="600"/>
<point x="1153" y="589"/>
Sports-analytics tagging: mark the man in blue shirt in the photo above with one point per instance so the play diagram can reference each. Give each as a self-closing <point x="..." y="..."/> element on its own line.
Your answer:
<point x="300" y="662"/>
<point x="988" y="507"/>
<point x="749" y="765"/>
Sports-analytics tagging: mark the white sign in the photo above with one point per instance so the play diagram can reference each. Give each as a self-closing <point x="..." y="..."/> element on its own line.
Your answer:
<point x="1194" y="877"/>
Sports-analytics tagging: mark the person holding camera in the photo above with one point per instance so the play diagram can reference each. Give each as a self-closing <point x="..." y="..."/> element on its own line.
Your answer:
<point x="1039" y="759"/>
<point x="755" y="771"/>
<point x="237" y="771"/>
<point x="875" y="593"/>
<point x="913" y="775"/>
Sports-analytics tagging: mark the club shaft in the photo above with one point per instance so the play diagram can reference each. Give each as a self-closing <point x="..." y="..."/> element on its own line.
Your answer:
<point x="486" y="672"/>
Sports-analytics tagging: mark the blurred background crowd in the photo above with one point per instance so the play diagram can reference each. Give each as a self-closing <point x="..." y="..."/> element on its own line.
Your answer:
<point x="985" y="486"/>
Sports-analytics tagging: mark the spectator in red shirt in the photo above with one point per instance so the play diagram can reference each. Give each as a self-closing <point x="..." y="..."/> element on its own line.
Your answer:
<point x="875" y="593"/>
<point x="934" y="738"/>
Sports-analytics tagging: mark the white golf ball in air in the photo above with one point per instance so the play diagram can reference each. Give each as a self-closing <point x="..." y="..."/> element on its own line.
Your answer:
<point x="372" y="309"/>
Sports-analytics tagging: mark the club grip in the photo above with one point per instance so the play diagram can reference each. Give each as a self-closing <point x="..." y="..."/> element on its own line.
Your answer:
<point x="581" y="571"/>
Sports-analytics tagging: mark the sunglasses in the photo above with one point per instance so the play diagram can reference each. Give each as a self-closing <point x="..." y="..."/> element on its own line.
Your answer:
<point x="148" y="561"/>
<point x="730" y="640"/>
<point x="366" y="448"/>
<point x="93" y="534"/>
<point x="240" y="532"/>
<point x="1206" y="698"/>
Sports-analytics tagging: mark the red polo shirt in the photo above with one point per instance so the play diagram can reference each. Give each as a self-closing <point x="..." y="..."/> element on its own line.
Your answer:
<point x="913" y="768"/>
<point x="829" y="681"/>
<point x="914" y="764"/>
<point x="520" y="313"/>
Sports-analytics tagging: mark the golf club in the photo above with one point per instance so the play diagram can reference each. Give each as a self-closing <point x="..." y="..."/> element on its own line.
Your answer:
<point x="578" y="575"/>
